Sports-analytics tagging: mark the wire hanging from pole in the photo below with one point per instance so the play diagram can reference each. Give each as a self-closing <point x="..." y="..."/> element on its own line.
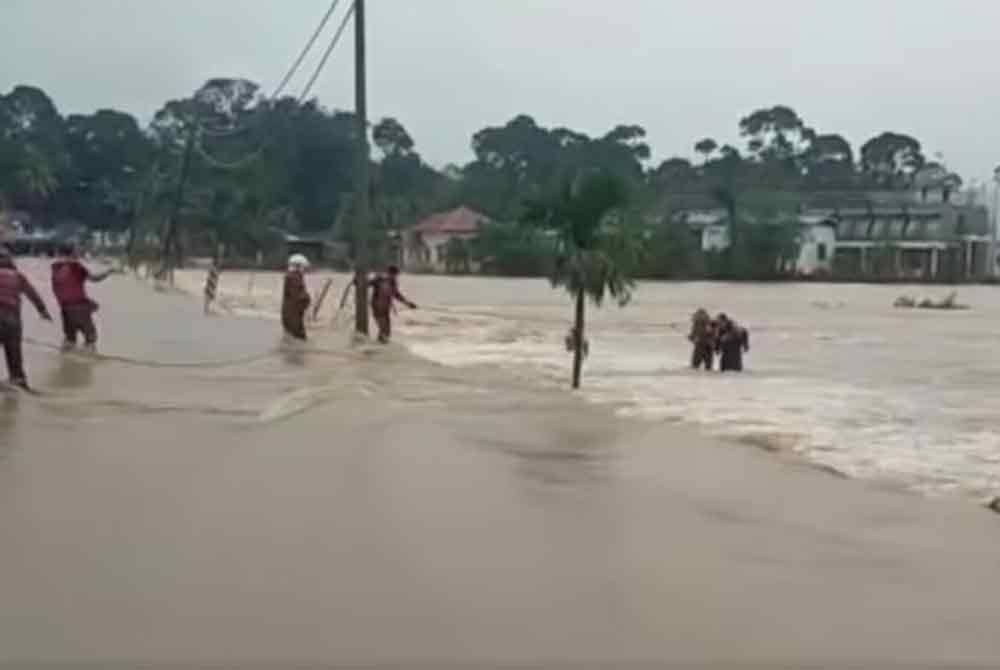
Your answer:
<point x="310" y="43"/>
<point x="229" y="132"/>
<point x="305" y="51"/>
<point x="326" y="54"/>
<point x="222" y="165"/>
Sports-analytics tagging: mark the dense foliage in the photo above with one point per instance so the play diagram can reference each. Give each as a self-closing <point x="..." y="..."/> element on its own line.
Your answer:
<point x="231" y="166"/>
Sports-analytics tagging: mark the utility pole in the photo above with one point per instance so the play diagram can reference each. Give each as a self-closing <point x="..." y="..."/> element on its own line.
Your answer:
<point x="993" y="223"/>
<point x="170" y="244"/>
<point x="361" y="194"/>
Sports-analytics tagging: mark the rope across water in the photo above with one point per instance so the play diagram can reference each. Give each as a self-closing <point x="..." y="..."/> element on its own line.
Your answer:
<point x="158" y="364"/>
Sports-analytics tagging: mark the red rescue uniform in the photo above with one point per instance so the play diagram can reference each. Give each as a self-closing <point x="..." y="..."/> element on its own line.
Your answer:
<point x="385" y="291"/>
<point x="69" y="279"/>
<point x="13" y="285"/>
<point x="294" y="303"/>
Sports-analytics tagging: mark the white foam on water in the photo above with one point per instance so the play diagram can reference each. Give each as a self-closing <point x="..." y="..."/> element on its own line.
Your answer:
<point x="857" y="429"/>
<point x="861" y="388"/>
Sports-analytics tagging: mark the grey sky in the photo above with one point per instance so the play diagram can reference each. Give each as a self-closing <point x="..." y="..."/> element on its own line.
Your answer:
<point x="683" y="69"/>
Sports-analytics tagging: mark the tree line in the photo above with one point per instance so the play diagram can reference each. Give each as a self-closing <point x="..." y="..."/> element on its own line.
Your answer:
<point x="231" y="166"/>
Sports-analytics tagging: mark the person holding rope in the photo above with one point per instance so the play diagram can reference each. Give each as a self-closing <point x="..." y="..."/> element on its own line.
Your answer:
<point x="295" y="298"/>
<point x="385" y="292"/>
<point x="13" y="285"/>
<point x="69" y="278"/>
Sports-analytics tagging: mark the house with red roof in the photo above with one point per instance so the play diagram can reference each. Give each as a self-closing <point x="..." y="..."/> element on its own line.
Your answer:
<point x="426" y="247"/>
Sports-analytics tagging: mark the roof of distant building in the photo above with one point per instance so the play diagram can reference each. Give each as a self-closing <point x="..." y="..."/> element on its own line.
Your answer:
<point x="455" y="222"/>
<point x="719" y="217"/>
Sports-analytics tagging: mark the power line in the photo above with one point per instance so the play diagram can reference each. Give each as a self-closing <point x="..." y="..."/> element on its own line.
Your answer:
<point x="223" y="132"/>
<point x="222" y="165"/>
<point x="229" y="132"/>
<point x="326" y="55"/>
<point x="305" y="51"/>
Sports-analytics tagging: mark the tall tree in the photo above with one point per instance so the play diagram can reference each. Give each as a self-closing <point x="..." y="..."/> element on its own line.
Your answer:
<point x="595" y="248"/>
<point x="890" y="160"/>
<point x="111" y="158"/>
<point x="777" y="139"/>
<point x="706" y="147"/>
<point x="828" y="162"/>
<point x="675" y="174"/>
<point x="391" y="138"/>
<point x="622" y="152"/>
<point x="33" y="160"/>
<point x="776" y="133"/>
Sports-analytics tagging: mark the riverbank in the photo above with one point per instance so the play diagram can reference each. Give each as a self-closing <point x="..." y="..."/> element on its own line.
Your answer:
<point x="334" y="505"/>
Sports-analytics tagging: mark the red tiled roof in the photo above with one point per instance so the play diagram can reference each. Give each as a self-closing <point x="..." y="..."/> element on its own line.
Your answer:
<point x="457" y="221"/>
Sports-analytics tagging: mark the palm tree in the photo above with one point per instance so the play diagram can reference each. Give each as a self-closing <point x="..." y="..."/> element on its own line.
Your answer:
<point x="593" y="246"/>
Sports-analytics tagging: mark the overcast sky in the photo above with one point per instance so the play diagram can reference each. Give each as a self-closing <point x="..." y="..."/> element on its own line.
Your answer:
<point x="683" y="69"/>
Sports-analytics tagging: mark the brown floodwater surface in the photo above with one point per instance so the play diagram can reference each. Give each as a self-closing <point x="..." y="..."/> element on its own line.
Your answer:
<point x="208" y="494"/>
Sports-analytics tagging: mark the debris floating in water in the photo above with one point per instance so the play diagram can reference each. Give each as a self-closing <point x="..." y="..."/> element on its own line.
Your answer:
<point x="826" y="304"/>
<point x="949" y="302"/>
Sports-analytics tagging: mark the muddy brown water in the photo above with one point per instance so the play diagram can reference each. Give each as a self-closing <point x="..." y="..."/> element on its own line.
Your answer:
<point x="213" y="496"/>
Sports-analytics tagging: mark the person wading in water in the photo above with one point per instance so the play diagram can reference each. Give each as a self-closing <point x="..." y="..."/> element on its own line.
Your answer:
<point x="733" y="342"/>
<point x="13" y="285"/>
<point x="295" y="297"/>
<point x="702" y="337"/>
<point x="385" y="291"/>
<point x="69" y="279"/>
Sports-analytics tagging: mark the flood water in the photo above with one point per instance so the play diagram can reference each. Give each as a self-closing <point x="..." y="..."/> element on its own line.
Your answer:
<point x="207" y="495"/>
<point x="835" y="373"/>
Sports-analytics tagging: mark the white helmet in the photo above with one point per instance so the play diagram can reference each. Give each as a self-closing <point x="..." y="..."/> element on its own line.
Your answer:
<point x="298" y="261"/>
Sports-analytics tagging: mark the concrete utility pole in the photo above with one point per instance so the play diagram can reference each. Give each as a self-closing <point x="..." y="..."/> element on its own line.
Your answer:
<point x="170" y="249"/>
<point x="993" y="223"/>
<point x="361" y="213"/>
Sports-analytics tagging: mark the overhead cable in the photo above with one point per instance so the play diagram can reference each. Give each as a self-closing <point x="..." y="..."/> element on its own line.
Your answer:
<point x="326" y="55"/>
<point x="305" y="50"/>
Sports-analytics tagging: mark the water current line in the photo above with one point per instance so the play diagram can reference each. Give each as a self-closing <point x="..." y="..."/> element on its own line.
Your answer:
<point x="159" y="364"/>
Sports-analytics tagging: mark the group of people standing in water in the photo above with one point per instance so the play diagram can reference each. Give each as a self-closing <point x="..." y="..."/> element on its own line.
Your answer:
<point x="709" y="336"/>
<point x="76" y="309"/>
<point x="295" y="299"/>
<point x="722" y="336"/>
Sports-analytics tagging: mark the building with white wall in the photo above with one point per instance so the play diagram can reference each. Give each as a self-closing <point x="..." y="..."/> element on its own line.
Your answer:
<point x="816" y="237"/>
<point x="425" y="245"/>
